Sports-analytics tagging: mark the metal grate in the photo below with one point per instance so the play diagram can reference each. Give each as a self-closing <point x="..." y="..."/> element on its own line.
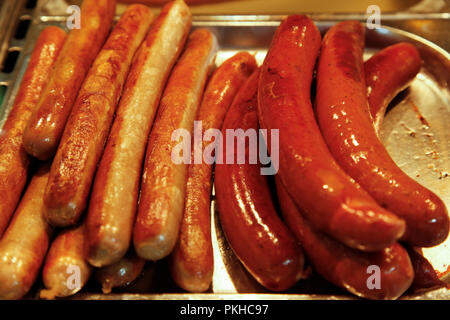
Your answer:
<point x="15" y="21"/>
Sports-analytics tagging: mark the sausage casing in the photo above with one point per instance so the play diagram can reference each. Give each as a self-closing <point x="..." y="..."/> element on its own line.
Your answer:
<point x="248" y="218"/>
<point x="14" y="160"/>
<point x="387" y="73"/>
<point x="332" y="201"/>
<point x="348" y="268"/>
<point x="343" y="114"/>
<point x="66" y="270"/>
<point x="88" y="126"/>
<point x="46" y="125"/>
<point x="164" y="181"/>
<point x="192" y="260"/>
<point x="114" y="198"/>
<point x="25" y="242"/>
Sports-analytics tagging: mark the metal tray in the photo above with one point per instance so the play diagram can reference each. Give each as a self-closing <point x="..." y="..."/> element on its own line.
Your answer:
<point x="422" y="151"/>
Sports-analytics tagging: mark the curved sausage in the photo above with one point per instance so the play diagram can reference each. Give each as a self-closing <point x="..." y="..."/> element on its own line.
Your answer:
<point x="25" y="242"/>
<point x="14" y="160"/>
<point x="331" y="200"/>
<point x="164" y="181"/>
<point x="387" y="73"/>
<point x="345" y="267"/>
<point x="46" y="125"/>
<point x="247" y="215"/>
<point x="192" y="260"/>
<point x="114" y="198"/>
<point x="120" y="273"/>
<point x="66" y="270"/>
<point x="344" y="119"/>
<point x="88" y="126"/>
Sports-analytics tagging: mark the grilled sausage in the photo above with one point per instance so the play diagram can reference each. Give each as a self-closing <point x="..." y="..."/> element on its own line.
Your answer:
<point x="332" y="201"/>
<point x="120" y="273"/>
<point x="192" y="260"/>
<point x="114" y="197"/>
<point x="14" y="160"/>
<point x="87" y="129"/>
<point x="348" y="268"/>
<point x="47" y="122"/>
<point x="25" y="242"/>
<point x="66" y="270"/>
<point x="386" y="74"/>
<point x="163" y="184"/>
<point x="345" y="122"/>
<point x="248" y="218"/>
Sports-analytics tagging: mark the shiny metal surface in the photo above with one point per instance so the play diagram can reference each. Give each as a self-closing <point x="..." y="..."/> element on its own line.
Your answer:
<point x="439" y="294"/>
<point x="427" y="18"/>
<point x="234" y="7"/>
<point x="423" y="152"/>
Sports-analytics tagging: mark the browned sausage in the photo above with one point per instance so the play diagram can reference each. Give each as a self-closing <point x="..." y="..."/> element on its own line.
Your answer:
<point x="164" y="182"/>
<point x="248" y="218"/>
<point x="66" y="270"/>
<point x="192" y="260"/>
<point x="87" y="129"/>
<point x="343" y="114"/>
<point x="331" y="200"/>
<point x="387" y="73"/>
<point x="46" y="124"/>
<point x="25" y="242"/>
<point x="14" y="161"/>
<point x="114" y="198"/>
<point x="345" y="267"/>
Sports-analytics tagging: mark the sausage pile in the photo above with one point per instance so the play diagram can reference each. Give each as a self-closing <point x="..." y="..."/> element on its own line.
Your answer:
<point x="93" y="127"/>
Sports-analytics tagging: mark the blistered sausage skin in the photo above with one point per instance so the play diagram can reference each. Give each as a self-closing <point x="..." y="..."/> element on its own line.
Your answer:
<point x="26" y="240"/>
<point x="164" y="181"/>
<point x="345" y="267"/>
<point x="66" y="270"/>
<point x="343" y="114"/>
<point x="386" y="74"/>
<point x="332" y="201"/>
<point x="120" y="273"/>
<point x="88" y="126"/>
<point x="114" y="197"/>
<point x="192" y="260"/>
<point x="247" y="215"/>
<point x="14" y="161"/>
<point x="46" y="125"/>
